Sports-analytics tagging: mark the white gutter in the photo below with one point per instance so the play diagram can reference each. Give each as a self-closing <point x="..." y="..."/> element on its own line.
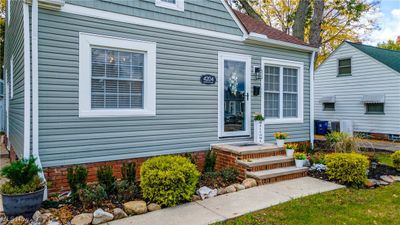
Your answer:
<point x="27" y="84"/>
<point x="312" y="98"/>
<point x="35" y="90"/>
<point x="259" y="38"/>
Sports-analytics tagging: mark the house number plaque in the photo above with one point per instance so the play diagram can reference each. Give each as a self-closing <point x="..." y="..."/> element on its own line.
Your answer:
<point x="207" y="79"/>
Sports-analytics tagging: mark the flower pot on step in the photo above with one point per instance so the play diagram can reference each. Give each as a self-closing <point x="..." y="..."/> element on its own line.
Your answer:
<point x="299" y="163"/>
<point x="280" y="142"/>
<point x="289" y="152"/>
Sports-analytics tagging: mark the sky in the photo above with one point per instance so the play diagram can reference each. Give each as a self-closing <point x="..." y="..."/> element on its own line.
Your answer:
<point x="388" y="20"/>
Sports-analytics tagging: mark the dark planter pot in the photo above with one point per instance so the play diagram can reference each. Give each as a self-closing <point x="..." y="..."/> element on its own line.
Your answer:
<point x="22" y="204"/>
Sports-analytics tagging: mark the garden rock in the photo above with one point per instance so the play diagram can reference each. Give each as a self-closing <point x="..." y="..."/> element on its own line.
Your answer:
<point x="395" y="178"/>
<point x="221" y="191"/>
<point x="249" y="183"/>
<point x="82" y="219"/>
<point x="53" y="223"/>
<point x="135" y="207"/>
<point x="19" y="220"/>
<point x="37" y="217"/>
<point x="195" y="198"/>
<point x="239" y="187"/>
<point x="119" y="213"/>
<point x="387" y="179"/>
<point x="100" y="216"/>
<point x="370" y="183"/>
<point x="206" y="192"/>
<point x="382" y="183"/>
<point x="230" y="189"/>
<point x="153" y="207"/>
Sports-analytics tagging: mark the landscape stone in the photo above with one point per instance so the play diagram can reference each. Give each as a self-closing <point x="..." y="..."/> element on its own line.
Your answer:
<point x="37" y="217"/>
<point x="387" y="179"/>
<point x="135" y="207"/>
<point x="221" y="191"/>
<point x="382" y="183"/>
<point x="153" y="207"/>
<point x="100" y="216"/>
<point x="395" y="178"/>
<point x="249" y="183"/>
<point x="19" y="220"/>
<point x="82" y="219"/>
<point x="119" y="213"/>
<point x="370" y="183"/>
<point x="206" y="192"/>
<point x="239" y="187"/>
<point x="196" y="198"/>
<point x="230" y="189"/>
<point x="53" y="223"/>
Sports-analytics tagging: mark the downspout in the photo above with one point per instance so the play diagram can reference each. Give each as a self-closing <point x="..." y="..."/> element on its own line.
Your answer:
<point x="27" y="84"/>
<point x="35" y="90"/>
<point x="312" y="98"/>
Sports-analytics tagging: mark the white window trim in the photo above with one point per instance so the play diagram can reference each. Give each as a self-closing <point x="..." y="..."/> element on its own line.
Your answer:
<point x="179" y="5"/>
<point x="12" y="77"/>
<point x="300" y="106"/>
<point x="86" y="41"/>
<point x="351" y="67"/>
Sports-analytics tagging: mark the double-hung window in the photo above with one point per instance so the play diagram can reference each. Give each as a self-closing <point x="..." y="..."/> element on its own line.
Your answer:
<point x="116" y="77"/>
<point x="171" y="4"/>
<point x="283" y="91"/>
<point x="344" y="67"/>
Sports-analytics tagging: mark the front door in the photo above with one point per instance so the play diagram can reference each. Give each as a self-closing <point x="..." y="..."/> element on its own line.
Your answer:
<point x="234" y="96"/>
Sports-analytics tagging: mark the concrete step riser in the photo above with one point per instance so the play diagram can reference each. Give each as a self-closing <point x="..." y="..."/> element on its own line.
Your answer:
<point x="271" y="166"/>
<point x="281" y="178"/>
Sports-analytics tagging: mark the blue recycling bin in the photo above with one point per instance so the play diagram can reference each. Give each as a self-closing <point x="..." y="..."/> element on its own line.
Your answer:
<point x="321" y="127"/>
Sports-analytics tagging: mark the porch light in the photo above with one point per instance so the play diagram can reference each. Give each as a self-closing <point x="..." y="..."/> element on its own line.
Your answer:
<point x="257" y="72"/>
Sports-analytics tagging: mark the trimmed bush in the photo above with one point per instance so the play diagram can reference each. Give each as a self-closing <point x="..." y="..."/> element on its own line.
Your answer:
<point x="77" y="178"/>
<point x="396" y="160"/>
<point x="106" y="179"/>
<point x="168" y="180"/>
<point x="210" y="161"/>
<point x="347" y="168"/>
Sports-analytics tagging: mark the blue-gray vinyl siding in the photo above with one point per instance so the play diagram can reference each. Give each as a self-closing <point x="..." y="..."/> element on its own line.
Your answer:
<point x="14" y="47"/>
<point x="187" y="111"/>
<point x="204" y="14"/>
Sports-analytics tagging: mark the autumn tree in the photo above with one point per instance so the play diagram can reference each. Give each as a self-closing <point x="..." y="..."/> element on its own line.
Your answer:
<point x="323" y="23"/>
<point x="391" y="44"/>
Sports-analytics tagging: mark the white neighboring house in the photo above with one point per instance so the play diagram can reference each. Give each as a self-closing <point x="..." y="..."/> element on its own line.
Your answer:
<point x="360" y="83"/>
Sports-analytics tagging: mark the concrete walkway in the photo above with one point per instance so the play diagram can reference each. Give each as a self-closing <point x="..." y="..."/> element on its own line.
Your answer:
<point x="231" y="205"/>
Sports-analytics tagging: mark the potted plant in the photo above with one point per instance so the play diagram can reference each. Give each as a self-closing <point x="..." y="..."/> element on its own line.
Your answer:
<point x="290" y="148"/>
<point x="258" y="128"/>
<point x="23" y="193"/>
<point x="280" y="138"/>
<point x="300" y="159"/>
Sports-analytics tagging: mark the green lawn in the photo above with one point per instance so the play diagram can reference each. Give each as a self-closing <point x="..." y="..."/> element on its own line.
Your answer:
<point x="384" y="158"/>
<point x="344" y="206"/>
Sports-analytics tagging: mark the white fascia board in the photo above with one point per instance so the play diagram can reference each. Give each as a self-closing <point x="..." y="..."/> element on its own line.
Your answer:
<point x="234" y="17"/>
<point x="101" y="14"/>
<point x="257" y="38"/>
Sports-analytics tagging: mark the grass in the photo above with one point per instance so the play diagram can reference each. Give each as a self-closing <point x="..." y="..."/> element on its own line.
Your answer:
<point x="345" y="206"/>
<point x="384" y="158"/>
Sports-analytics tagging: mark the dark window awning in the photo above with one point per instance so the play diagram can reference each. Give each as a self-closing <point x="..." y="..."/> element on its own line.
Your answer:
<point x="328" y="99"/>
<point x="373" y="98"/>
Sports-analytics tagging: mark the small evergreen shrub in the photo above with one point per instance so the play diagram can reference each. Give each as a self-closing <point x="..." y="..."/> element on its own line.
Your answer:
<point x="229" y="175"/>
<point x="210" y="161"/>
<point x="347" y="168"/>
<point x="106" y="179"/>
<point x="168" y="180"/>
<point x="23" y="177"/>
<point x="91" y="196"/>
<point x="126" y="191"/>
<point x="77" y="178"/>
<point x="396" y="159"/>
<point x="128" y="172"/>
<point x="191" y="158"/>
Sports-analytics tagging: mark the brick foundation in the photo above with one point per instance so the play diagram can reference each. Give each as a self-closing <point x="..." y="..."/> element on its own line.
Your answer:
<point x="57" y="176"/>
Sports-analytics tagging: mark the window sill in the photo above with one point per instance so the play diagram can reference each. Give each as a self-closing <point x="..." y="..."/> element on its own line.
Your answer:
<point x="372" y="113"/>
<point x="116" y="113"/>
<point x="178" y="6"/>
<point x="283" y="121"/>
<point x="344" y="75"/>
<point x="328" y="110"/>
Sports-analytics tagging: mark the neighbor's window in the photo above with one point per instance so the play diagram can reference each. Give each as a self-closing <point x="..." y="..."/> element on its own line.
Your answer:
<point x="283" y="92"/>
<point x="344" y="67"/>
<point x="171" y="4"/>
<point x="329" y="106"/>
<point x="375" y="108"/>
<point x="116" y="77"/>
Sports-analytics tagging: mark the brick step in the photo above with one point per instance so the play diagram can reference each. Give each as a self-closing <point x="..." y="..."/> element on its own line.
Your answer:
<point x="267" y="163"/>
<point x="276" y="173"/>
<point x="281" y="178"/>
<point x="250" y="151"/>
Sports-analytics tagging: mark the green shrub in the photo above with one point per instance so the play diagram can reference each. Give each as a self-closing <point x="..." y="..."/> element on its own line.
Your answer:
<point x="396" y="159"/>
<point x="168" y="180"/>
<point x="335" y="137"/>
<point x="317" y="158"/>
<point x="229" y="175"/>
<point x="106" y="179"/>
<point x="92" y="196"/>
<point x="126" y="191"/>
<point x="191" y="158"/>
<point x="77" y="178"/>
<point x="128" y="172"/>
<point x="211" y="159"/>
<point x="23" y="177"/>
<point x="342" y="142"/>
<point x="347" y="168"/>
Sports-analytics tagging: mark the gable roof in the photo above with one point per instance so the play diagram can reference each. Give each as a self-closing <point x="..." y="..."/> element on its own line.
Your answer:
<point x="390" y="58"/>
<point x="259" y="27"/>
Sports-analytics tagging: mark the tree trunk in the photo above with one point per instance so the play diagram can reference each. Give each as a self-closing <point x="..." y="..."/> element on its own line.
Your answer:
<point x="300" y="19"/>
<point x="315" y="30"/>
<point x="250" y="11"/>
